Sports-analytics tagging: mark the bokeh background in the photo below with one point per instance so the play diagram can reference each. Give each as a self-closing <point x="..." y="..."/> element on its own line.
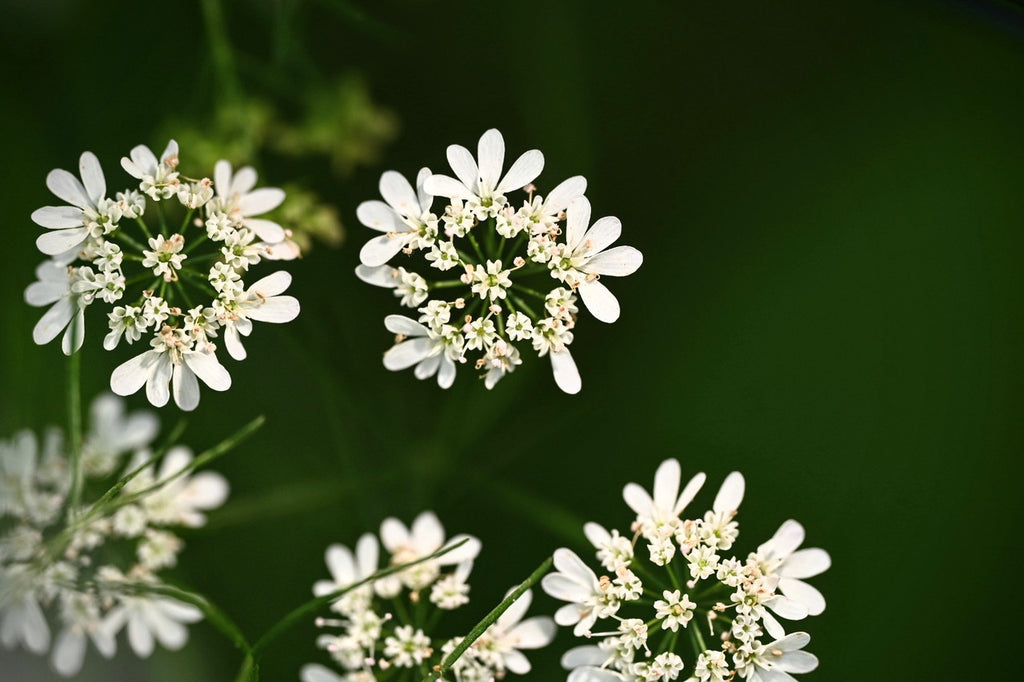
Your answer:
<point x="830" y="199"/>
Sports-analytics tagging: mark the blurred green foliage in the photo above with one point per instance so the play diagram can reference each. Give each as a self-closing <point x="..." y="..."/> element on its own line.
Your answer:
<point x="829" y="199"/>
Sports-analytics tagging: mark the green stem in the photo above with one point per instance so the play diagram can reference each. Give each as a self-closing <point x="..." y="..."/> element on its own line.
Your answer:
<point x="192" y="245"/>
<point x="213" y="613"/>
<point x="488" y="620"/>
<point x="698" y="639"/>
<point x="220" y="47"/>
<point x="447" y="284"/>
<point x="476" y="247"/>
<point x="75" y="431"/>
<point x="185" y="222"/>
<point x="145" y="231"/>
<point x="163" y="219"/>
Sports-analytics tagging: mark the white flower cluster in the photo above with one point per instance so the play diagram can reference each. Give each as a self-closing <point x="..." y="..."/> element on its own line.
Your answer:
<point x="502" y="258"/>
<point x="190" y="282"/>
<point x="385" y="625"/>
<point x="680" y="566"/>
<point x="90" y="572"/>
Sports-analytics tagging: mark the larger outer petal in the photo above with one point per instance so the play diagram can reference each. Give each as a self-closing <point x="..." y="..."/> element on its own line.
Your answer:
<point x="185" y="387"/>
<point x="92" y="177"/>
<point x="490" y="154"/>
<point x="260" y="201"/>
<point x="208" y="368"/>
<point x="617" y="262"/>
<point x="408" y="353"/>
<point x="730" y="494"/>
<point x="524" y="171"/>
<point x="566" y="375"/>
<point x="464" y="166"/>
<point x="399" y="194"/>
<point x="577" y="218"/>
<point x="129" y="376"/>
<point x="273" y="284"/>
<point x="54" y="321"/>
<point x="67" y="187"/>
<point x="601" y="302"/>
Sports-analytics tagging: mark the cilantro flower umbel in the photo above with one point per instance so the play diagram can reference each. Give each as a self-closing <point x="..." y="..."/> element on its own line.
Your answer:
<point x="170" y="258"/>
<point x="671" y="601"/>
<point x="499" y="276"/>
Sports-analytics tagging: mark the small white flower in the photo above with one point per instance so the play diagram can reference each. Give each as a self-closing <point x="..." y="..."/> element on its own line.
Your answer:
<point x="432" y="353"/>
<point x="405" y="219"/>
<point x="490" y="282"/>
<point x="452" y="591"/>
<point x="89" y="213"/>
<point x="575" y="583"/>
<point x="173" y="360"/>
<point x="674" y="610"/>
<point x="773" y="662"/>
<point x="779" y="556"/>
<point x="67" y="313"/>
<point x="667" y="503"/>
<point x="82" y="622"/>
<point x="262" y="302"/>
<point x="408" y="647"/>
<point x="346" y="569"/>
<point x="478" y="182"/>
<point x="505" y="639"/>
<point x="425" y="537"/>
<point x="159" y="179"/>
<point x="585" y="256"/>
<point x="181" y="501"/>
<point x="237" y="198"/>
<point x="149" y="617"/>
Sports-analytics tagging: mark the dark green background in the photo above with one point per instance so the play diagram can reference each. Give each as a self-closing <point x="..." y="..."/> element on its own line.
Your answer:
<point x="829" y="200"/>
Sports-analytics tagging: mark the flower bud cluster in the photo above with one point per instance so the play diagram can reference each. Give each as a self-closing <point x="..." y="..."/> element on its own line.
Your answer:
<point x="94" y="570"/>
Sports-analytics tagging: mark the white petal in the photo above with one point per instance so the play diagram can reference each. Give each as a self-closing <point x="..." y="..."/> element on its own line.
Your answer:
<point x="379" y="276"/>
<point x="465" y="168"/>
<point x="314" y="672"/>
<point x="805" y="594"/>
<point x="787" y="538"/>
<point x="222" y="178"/>
<point x="638" y="499"/>
<point x="367" y="554"/>
<point x="787" y="608"/>
<point x="568" y="614"/>
<point x="157" y="391"/>
<point x="516" y="662"/>
<point x="267" y="230"/>
<point x="67" y="187"/>
<point x="207" y="368"/>
<point x="185" y="387"/>
<point x="465" y="552"/>
<point x="427" y="367"/>
<point x="601" y="302"/>
<point x="596" y="534"/>
<point x="666" y="484"/>
<point x="233" y="342"/>
<point x="596" y="674"/>
<point x="583" y="655"/>
<point x="244" y="180"/>
<point x="207" y="490"/>
<point x="444" y="186"/>
<point x="399" y="194"/>
<point x="797" y="662"/>
<point x="534" y="633"/>
<point x="131" y="375"/>
<point x="515" y="612"/>
<point x="139" y="637"/>
<point x="427" y="533"/>
<point x="806" y="563"/>
<point x="730" y="494"/>
<point x="772" y="626"/>
<point x="577" y="218"/>
<point x="564" y="368"/>
<point x="59" y="241"/>
<point x="689" y="492"/>
<point x="524" y="171"/>
<point x="277" y="309"/>
<point x="601" y="235"/>
<point x="568" y="562"/>
<point x="58" y="217"/>
<point x="791" y="642"/>
<point x="400" y="324"/>
<point x="407" y="353"/>
<point x="170" y="633"/>
<point x="341" y="564"/>
<point x="393" y="534"/>
<point x="564" y="193"/>
<point x="170" y="150"/>
<point x="561" y="586"/>
<point x="424" y="197"/>
<point x="273" y="284"/>
<point x="68" y="652"/>
<point x="377" y="215"/>
<point x="92" y="176"/>
<point x="141" y="163"/>
<point x="54" y="321"/>
<point x="75" y="333"/>
<point x="617" y="262"/>
<point x="446" y="375"/>
<point x="380" y="250"/>
<point x="490" y="154"/>
<point x="261" y="201"/>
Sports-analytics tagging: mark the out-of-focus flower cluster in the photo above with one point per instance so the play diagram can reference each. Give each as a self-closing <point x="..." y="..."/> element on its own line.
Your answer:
<point x="385" y="629"/>
<point x="73" y="575"/>
<point x="517" y="269"/>
<point x="170" y="257"/>
<point x="671" y="586"/>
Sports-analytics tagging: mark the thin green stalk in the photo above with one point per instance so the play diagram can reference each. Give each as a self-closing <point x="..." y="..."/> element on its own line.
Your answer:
<point x="476" y="247"/>
<point x="447" y="284"/>
<point x="185" y="222"/>
<point x="145" y="231"/>
<point x="163" y="219"/>
<point x="488" y="620"/>
<point x="698" y="639"/>
<point x="75" y="431"/>
<point x="192" y="245"/>
<point x="522" y="304"/>
<point x="213" y="613"/>
<point x="249" y="671"/>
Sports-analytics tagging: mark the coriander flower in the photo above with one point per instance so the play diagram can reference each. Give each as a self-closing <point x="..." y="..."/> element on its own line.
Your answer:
<point x="645" y="611"/>
<point x="65" y="586"/>
<point x="512" y="283"/>
<point x="387" y="627"/>
<point x="779" y="556"/>
<point x="172" y="288"/>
